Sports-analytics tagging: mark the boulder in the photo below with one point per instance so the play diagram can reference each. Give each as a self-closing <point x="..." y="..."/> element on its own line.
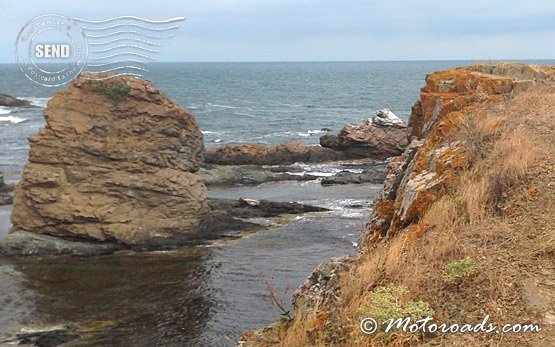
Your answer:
<point x="117" y="161"/>
<point x="381" y="136"/>
<point x="10" y="101"/>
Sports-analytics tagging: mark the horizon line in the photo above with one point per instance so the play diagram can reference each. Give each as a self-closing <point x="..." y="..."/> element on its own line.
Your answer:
<point x="331" y="61"/>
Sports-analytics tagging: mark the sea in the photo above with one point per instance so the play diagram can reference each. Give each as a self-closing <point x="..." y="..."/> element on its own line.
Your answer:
<point x="208" y="295"/>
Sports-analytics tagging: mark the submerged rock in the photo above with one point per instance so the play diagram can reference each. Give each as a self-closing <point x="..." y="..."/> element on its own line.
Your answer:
<point x="5" y="192"/>
<point x="381" y="136"/>
<point x="10" y="101"/>
<point x="116" y="161"/>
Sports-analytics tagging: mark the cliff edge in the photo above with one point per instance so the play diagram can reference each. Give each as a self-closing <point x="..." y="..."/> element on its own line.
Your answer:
<point x="462" y="228"/>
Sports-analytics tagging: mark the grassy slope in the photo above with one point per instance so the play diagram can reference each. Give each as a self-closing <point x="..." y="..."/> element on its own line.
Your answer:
<point x="499" y="214"/>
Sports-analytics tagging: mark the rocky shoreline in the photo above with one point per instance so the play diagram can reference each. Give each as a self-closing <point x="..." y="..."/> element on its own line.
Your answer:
<point x="130" y="171"/>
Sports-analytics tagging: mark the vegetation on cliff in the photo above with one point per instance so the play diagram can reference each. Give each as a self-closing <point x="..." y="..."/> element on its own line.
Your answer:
<point x="463" y="225"/>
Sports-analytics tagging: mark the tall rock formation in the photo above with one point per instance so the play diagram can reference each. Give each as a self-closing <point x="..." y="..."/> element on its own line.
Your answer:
<point x="116" y="161"/>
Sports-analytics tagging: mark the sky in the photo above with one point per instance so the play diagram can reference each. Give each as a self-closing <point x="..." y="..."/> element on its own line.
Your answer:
<point x="321" y="30"/>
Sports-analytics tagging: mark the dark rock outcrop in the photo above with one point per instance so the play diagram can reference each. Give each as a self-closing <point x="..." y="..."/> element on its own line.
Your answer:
<point x="375" y="176"/>
<point x="5" y="192"/>
<point x="10" y="101"/>
<point x="116" y="161"/>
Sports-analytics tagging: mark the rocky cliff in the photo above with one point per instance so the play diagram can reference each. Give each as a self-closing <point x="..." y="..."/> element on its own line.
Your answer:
<point x="427" y="168"/>
<point x="116" y="161"/>
<point x="480" y="156"/>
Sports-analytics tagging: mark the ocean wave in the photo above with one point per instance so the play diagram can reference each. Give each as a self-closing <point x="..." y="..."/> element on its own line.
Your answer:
<point x="208" y="132"/>
<point x="12" y="119"/>
<point x="37" y="101"/>
<point x="220" y="106"/>
<point x="4" y="110"/>
<point x="310" y="133"/>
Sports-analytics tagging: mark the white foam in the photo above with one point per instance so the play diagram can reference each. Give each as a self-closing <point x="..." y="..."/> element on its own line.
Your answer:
<point x="40" y="102"/>
<point x="313" y="173"/>
<point x="310" y="133"/>
<point x="206" y="132"/>
<point x="12" y="119"/>
<point x="4" y="110"/>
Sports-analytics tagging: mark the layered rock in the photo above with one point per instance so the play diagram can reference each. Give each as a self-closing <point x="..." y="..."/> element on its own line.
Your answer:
<point x="116" y="161"/>
<point x="425" y="171"/>
<point x="381" y="136"/>
<point x="10" y="101"/>
<point x="283" y="154"/>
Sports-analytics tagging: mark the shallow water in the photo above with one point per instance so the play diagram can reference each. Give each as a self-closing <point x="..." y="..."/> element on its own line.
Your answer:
<point x="201" y="296"/>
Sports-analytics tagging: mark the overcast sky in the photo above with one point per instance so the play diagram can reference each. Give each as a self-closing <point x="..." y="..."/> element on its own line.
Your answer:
<point x="322" y="30"/>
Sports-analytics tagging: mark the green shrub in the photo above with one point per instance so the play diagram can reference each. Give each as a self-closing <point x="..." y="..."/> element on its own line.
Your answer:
<point x="457" y="270"/>
<point x="114" y="90"/>
<point x="391" y="302"/>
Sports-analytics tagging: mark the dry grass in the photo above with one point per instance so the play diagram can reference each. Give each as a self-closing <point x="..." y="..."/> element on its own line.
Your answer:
<point x="466" y="223"/>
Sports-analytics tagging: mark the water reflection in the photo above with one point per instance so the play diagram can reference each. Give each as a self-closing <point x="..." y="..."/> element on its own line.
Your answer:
<point x="144" y="298"/>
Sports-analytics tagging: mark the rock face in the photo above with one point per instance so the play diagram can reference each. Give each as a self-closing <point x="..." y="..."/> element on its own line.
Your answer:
<point x="425" y="170"/>
<point x="256" y="154"/>
<point x="5" y="192"/>
<point x="116" y="161"/>
<point x="381" y="136"/>
<point x="10" y="101"/>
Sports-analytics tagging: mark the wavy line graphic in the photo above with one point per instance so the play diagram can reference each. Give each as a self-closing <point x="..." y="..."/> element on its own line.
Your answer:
<point x="132" y="32"/>
<point x="133" y="41"/>
<point x="118" y="62"/>
<point x="124" y="39"/>
<point x="130" y="25"/>
<point x="175" y="19"/>
<point x="122" y="53"/>
<point x="124" y="46"/>
<point x="120" y="68"/>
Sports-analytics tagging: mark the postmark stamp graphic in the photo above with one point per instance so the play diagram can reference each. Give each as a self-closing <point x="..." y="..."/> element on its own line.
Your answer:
<point x="51" y="50"/>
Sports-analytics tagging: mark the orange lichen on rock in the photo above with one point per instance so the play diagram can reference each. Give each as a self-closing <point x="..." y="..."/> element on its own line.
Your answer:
<point x="447" y="98"/>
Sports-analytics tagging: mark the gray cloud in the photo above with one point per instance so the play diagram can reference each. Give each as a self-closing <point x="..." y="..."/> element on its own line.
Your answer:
<point x="261" y="30"/>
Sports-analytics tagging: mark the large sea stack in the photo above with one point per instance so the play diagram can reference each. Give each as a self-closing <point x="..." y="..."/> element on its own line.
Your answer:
<point x="116" y="161"/>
